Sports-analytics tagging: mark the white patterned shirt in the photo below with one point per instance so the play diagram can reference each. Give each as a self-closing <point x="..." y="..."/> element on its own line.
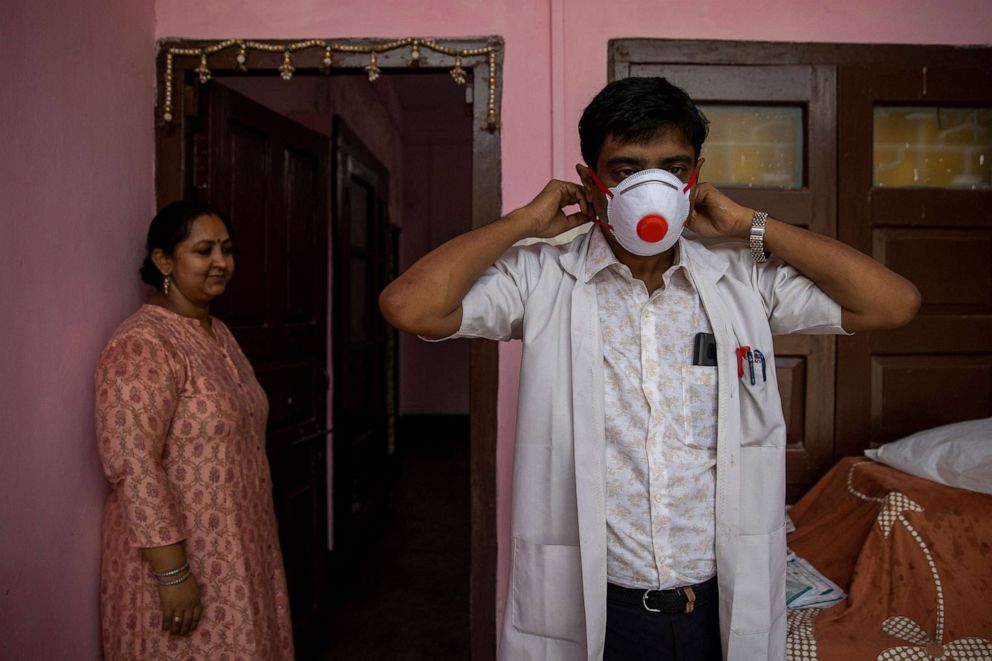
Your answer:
<point x="661" y="415"/>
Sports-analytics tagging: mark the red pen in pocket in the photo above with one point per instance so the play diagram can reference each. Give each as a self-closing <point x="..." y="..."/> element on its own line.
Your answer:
<point x="741" y="356"/>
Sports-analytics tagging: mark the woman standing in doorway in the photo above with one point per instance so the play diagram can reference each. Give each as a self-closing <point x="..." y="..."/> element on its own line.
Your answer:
<point x="191" y="560"/>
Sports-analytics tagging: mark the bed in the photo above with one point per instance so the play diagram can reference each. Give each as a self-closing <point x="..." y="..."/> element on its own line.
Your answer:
<point x="913" y="553"/>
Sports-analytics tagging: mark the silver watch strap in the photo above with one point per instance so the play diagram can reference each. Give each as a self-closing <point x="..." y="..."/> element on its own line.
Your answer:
<point x="757" y="239"/>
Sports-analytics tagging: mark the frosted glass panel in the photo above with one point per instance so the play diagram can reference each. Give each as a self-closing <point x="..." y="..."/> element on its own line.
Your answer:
<point x="933" y="147"/>
<point x="754" y="146"/>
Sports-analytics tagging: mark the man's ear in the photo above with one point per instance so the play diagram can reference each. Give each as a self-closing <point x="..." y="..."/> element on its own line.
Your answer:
<point x="583" y="172"/>
<point x="695" y="188"/>
<point x="595" y="197"/>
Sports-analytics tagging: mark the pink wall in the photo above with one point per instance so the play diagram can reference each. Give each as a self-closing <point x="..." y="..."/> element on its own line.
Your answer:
<point x="556" y="60"/>
<point x="76" y="190"/>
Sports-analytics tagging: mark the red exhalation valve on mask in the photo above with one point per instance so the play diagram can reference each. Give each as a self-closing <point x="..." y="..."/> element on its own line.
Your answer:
<point x="652" y="228"/>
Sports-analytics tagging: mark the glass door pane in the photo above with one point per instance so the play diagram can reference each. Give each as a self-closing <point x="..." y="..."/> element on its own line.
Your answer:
<point x="932" y="146"/>
<point x="754" y="146"/>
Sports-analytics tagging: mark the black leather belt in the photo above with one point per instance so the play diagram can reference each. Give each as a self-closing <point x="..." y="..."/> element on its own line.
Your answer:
<point x="678" y="600"/>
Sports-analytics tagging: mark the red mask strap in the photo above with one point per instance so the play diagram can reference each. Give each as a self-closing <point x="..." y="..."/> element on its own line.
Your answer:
<point x="608" y="193"/>
<point x="597" y="221"/>
<point x="692" y="180"/>
<point x="599" y="184"/>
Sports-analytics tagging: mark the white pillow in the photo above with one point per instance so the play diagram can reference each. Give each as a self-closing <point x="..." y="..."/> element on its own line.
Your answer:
<point x="958" y="455"/>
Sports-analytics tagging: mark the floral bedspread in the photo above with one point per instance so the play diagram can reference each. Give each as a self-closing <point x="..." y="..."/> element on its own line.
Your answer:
<point x="914" y="556"/>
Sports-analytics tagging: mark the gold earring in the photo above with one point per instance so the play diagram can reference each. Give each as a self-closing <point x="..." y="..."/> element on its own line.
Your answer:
<point x="165" y="286"/>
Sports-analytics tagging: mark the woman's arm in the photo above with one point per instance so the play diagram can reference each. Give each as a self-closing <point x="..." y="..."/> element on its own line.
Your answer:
<point x="136" y="397"/>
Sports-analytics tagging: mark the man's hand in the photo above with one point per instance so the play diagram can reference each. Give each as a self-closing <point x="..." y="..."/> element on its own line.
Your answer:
<point x="715" y="214"/>
<point x="427" y="298"/>
<point x="871" y="296"/>
<point x="544" y="214"/>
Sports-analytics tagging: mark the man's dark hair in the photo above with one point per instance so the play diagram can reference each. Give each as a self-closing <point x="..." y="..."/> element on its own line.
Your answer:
<point x="170" y="227"/>
<point x="636" y="110"/>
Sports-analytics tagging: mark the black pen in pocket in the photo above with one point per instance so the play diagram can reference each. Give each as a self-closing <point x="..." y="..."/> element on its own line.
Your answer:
<point x="761" y="357"/>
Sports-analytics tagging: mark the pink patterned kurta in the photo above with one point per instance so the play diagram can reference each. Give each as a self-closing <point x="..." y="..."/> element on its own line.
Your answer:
<point x="180" y="425"/>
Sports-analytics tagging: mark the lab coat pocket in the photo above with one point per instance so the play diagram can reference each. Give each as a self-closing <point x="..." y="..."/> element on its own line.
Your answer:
<point x="546" y="597"/>
<point x="759" y="584"/>
<point x="699" y="405"/>
<point x="755" y="373"/>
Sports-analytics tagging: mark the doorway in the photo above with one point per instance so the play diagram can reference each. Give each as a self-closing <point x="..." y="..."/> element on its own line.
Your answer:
<point x="363" y="498"/>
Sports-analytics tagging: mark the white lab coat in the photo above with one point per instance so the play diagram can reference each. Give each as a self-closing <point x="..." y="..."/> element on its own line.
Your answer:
<point x="556" y="607"/>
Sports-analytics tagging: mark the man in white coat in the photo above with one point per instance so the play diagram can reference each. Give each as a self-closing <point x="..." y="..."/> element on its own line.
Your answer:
<point x="649" y="469"/>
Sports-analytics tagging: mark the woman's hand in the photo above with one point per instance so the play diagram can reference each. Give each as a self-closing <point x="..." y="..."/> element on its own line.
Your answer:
<point x="180" y="602"/>
<point x="181" y="607"/>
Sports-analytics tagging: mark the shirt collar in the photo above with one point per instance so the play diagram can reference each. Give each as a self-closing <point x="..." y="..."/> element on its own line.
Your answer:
<point x="600" y="256"/>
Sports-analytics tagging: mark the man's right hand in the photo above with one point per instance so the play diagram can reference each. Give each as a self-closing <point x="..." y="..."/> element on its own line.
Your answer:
<point x="544" y="215"/>
<point x="427" y="299"/>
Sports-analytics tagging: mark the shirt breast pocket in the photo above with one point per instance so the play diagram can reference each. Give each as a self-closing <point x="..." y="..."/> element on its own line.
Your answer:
<point x="699" y="405"/>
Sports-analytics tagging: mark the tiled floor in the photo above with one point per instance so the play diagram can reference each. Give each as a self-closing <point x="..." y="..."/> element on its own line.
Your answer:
<point x="410" y="597"/>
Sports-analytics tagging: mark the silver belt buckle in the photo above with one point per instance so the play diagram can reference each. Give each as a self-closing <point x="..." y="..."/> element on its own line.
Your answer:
<point x="644" y="602"/>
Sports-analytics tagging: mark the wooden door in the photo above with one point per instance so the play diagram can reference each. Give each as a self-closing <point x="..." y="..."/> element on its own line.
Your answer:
<point x="805" y="363"/>
<point x="269" y="176"/>
<point x="938" y="369"/>
<point x="174" y="179"/>
<point x="364" y="346"/>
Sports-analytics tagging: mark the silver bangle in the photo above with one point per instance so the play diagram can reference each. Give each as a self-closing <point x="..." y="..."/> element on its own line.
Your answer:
<point x="177" y="581"/>
<point x="172" y="572"/>
<point x="757" y="238"/>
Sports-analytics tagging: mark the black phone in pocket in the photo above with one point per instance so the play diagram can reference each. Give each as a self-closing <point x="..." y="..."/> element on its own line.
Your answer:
<point x="704" y="350"/>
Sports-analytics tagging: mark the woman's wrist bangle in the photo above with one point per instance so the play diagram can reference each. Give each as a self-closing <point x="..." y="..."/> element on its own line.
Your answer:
<point x="177" y="581"/>
<point x="171" y="572"/>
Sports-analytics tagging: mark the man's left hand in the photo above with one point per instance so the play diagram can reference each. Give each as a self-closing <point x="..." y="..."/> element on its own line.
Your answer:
<point x="715" y="214"/>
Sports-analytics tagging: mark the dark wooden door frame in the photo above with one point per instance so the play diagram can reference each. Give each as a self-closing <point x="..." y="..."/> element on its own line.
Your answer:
<point x="174" y="142"/>
<point x="361" y="437"/>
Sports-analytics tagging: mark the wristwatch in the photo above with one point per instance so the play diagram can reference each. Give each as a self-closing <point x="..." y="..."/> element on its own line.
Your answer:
<point x="757" y="238"/>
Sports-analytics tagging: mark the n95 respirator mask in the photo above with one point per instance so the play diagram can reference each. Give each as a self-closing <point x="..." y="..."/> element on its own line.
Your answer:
<point x="648" y="210"/>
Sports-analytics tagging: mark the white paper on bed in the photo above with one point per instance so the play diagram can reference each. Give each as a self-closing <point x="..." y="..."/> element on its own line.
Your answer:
<point x="958" y="455"/>
<point x="805" y="587"/>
